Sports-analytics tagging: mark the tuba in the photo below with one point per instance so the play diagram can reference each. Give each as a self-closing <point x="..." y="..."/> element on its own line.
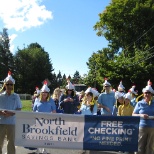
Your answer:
<point x="137" y="99"/>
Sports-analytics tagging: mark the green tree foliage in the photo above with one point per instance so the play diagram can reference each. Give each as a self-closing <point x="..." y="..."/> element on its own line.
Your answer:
<point x="6" y="57"/>
<point x="76" y="77"/>
<point x="59" y="79"/>
<point x="128" y="26"/>
<point x="64" y="81"/>
<point x="32" y="66"/>
<point x="124" y="22"/>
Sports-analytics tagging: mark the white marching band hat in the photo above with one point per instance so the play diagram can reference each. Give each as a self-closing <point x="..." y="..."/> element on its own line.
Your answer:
<point x="106" y="83"/>
<point x="121" y="87"/>
<point x="132" y="90"/>
<point x="45" y="87"/>
<point x="93" y="90"/>
<point x="37" y="90"/>
<point x="9" y="78"/>
<point x="128" y="96"/>
<point x="148" y="88"/>
<point x="118" y="95"/>
<point x="70" y="86"/>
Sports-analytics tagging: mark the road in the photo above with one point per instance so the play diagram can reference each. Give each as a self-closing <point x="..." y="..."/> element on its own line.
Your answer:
<point x="22" y="150"/>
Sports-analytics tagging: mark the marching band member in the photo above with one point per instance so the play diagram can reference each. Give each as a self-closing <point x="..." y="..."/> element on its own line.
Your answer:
<point x="106" y="100"/>
<point x="126" y="109"/>
<point x="69" y="101"/>
<point x="145" y="109"/>
<point x="8" y="101"/>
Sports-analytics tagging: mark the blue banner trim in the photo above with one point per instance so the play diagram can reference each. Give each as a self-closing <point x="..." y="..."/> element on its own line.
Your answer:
<point x="111" y="133"/>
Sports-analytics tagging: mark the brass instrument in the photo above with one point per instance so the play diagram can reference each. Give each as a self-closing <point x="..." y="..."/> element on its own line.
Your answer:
<point x="137" y="99"/>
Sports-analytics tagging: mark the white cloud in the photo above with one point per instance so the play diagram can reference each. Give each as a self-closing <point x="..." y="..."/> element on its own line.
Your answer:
<point x="23" y="14"/>
<point x="12" y="48"/>
<point x="12" y="37"/>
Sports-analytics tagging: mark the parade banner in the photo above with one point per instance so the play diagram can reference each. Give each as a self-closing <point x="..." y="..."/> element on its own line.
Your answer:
<point x="103" y="133"/>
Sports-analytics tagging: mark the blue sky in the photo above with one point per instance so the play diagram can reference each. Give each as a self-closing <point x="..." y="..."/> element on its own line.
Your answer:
<point x="64" y="28"/>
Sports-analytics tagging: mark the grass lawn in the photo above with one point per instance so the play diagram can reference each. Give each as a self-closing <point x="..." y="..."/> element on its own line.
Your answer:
<point x="26" y="105"/>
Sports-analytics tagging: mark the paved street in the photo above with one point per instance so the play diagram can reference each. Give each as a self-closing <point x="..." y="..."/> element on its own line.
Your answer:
<point x="21" y="150"/>
<point x="61" y="151"/>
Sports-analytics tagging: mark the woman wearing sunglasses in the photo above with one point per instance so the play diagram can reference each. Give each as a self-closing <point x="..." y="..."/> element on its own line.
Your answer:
<point x="145" y="109"/>
<point x="69" y="101"/>
<point x="8" y="101"/>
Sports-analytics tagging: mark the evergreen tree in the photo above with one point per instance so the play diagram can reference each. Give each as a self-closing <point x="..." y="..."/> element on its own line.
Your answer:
<point x="59" y="79"/>
<point x="76" y="77"/>
<point x="6" y="57"/>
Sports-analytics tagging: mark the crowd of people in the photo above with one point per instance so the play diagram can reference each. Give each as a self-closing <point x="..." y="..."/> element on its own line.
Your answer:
<point x="90" y="102"/>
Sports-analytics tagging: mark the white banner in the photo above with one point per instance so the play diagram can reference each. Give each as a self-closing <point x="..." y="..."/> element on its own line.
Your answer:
<point x="87" y="132"/>
<point x="48" y="130"/>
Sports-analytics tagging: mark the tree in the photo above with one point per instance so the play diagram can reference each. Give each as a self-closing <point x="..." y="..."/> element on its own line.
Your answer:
<point x="64" y="81"/>
<point x="127" y="23"/>
<point x="32" y="66"/>
<point x="59" y="79"/>
<point x="6" y="57"/>
<point x="129" y="56"/>
<point x="76" y="77"/>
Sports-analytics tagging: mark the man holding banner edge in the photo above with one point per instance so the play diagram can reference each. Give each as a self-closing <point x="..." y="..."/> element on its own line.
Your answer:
<point x="8" y="101"/>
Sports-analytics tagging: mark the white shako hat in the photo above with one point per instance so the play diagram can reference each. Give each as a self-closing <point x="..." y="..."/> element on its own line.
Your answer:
<point x="93" y="90"/>
<point x="9" y="78"/>
<point x="45" y="87"/>
<point x="118" y="95"/>
<point x="148" y="88"/>
<point x="70" y="86"/>
<point x="132" y="90"/>
<point x="89" y="89"/>
<point x="37" y="90"/>
<point x="128" y="96"/>
<point x="121" y="87"/>
<point x="106" y="83"/>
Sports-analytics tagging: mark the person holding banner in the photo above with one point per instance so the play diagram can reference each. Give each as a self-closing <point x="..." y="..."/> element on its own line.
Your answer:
<point x="45" y="103"/>
<point x="69" y="101"/>
<point x="9" y="102"/>
<point x="145" y="109"/>
<point x="126" y="109"/>
<point x="88" y="106"/>
<point x="106" y="100"/>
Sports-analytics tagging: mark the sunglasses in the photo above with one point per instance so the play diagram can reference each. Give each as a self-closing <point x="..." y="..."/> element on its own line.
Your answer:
<point x="9" y="84"/>
<point x="147" y="92"/>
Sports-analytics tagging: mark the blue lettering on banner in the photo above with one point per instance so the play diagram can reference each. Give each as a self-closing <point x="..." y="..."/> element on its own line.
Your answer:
<point x="111" y="133"/>
<point x="58" y="130"/>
